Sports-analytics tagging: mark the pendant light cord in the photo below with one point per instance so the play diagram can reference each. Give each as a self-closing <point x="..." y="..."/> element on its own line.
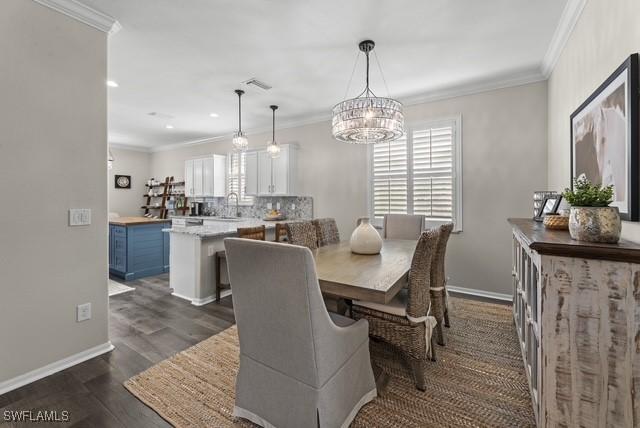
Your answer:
<point x="273" y="135"/>
<point x="239" y="113"/>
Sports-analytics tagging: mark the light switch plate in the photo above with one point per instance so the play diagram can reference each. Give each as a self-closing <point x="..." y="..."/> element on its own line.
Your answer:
<point x="79" y="217"/>
<point x="83" y="312"/>
<point x="278" y="205"/>
<point x="293" y="206"/>
<point x="211" y="250"/>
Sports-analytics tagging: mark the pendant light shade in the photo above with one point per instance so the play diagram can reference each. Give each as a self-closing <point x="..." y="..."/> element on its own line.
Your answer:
<point x="273" y="148"/>
<point x="240" y="142"/>
<point x="367" y="119"/>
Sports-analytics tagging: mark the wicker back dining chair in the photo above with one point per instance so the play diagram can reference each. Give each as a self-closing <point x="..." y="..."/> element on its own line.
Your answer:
<point x="405" y="322"/>
<point x="439" y="303"/>
<point x="302" y="233"/>
<point x="326" y="231"/>
<point x="258" y="233"/>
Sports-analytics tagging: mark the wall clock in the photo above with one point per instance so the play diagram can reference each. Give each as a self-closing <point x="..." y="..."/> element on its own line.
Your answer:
<point x="123" y="182"/>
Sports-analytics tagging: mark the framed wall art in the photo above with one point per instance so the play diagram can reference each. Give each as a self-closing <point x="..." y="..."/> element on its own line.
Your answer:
<point x="605" y="138"/>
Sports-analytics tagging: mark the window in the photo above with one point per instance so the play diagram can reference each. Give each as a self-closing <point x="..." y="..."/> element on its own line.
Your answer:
<point x="236" y="177"/>
<point x="419" y="173"/>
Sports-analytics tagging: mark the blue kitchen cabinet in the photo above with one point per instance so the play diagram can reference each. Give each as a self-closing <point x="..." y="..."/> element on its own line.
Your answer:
<point x="138" y="249"/>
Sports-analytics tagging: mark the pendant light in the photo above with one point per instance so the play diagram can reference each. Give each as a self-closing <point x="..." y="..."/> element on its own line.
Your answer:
<point x="367" y="119"/>
<point x="273" y="148"/>
<point x="240" y="142"/>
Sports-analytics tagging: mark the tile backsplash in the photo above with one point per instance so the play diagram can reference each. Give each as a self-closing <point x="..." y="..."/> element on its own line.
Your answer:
<point x="292" y="206"/>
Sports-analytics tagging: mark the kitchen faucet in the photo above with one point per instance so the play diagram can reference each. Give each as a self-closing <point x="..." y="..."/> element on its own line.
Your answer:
<point x="229" y="195"/>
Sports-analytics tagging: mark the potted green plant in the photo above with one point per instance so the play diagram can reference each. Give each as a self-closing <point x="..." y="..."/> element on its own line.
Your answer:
<point x="591" y="218"/>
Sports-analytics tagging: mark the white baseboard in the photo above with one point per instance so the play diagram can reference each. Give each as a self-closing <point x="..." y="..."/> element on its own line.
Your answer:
<point x="481" y="293"/>
<point x="203" y="301"/>
<point x="49" y="369"/>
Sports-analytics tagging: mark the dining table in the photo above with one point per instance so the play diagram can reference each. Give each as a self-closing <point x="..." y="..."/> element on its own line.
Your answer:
<point x="375" y="278"/>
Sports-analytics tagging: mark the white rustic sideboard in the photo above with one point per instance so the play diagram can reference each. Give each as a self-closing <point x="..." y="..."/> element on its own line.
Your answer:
<point x="576" y="309"/>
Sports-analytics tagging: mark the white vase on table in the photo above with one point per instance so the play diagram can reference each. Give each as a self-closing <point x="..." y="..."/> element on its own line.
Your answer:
<point x="365" y="239"/>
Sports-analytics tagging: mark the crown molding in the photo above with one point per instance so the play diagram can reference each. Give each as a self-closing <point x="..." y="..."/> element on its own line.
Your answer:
<point x="130" y="147"/>
<point x="568" y="20"/>
<point x="499" y="81"/>
<point x="84" y="14"/>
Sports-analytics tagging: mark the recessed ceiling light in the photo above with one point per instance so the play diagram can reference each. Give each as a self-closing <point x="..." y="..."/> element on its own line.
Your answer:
<point x="214" y="115"/>
<point x="169" y="126"/>
<point x="112" y="84"/>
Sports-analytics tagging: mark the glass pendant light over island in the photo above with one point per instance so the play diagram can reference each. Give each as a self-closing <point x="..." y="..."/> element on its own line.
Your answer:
<point x="273" y="148"/>
<point x="367" y="119"/>
<point x="240" y="142"/>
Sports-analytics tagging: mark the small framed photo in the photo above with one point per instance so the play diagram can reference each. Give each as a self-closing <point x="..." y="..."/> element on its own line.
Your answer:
<point x="549" y="206"/>
<point x="123" y="182"/>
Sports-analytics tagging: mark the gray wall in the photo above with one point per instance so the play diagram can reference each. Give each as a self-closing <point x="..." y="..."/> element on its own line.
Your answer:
<point x="53" y="127"/>
<point x="604" y="36"/>
<point x="504" y="162"/>
<point x="127" y="202"/>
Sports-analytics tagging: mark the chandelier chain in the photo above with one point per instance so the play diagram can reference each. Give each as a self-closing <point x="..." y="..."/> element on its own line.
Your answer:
<point x="382" y="74"/>
<point x="353" y="71"/>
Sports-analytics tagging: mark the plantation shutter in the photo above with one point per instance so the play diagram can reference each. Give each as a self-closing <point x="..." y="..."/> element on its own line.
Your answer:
<point x="236" y="176"/>
<point x="389" y="188"/>
<point x="433" y="172"/>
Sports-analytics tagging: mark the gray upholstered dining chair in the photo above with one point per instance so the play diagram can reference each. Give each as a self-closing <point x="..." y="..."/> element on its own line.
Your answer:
<point x="326" y="231"/>
<point x="406" y="322"/>
<point x="299" y="365"/>
<point x="402" y="226"/>
<point x="302" y="233"/>
<point x="439" y="301"/>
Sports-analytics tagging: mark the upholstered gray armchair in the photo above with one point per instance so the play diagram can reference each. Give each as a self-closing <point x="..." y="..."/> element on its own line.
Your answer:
<point x="299" y="365"/>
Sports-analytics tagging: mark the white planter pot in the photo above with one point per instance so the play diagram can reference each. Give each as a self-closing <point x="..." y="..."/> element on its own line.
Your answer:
<point x="365" y="239"/>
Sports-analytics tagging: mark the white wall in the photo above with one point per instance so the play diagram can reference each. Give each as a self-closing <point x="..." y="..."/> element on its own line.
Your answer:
<point x="53" y="154"/>
<point x="604" y="37"/>
<point x="127" y="202"/>
<point x="504" y="162"/>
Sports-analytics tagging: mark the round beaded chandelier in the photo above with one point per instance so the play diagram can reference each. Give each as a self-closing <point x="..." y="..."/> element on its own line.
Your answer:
<point x="367" y="119"/>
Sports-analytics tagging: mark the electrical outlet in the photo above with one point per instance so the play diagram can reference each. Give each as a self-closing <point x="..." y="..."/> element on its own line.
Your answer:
<point x="278" y="205"/>
<point x="269" y="205"/>
<point x="83" y="312"/>
<point x="293" y="206"/>
<point x="79" y="217"/>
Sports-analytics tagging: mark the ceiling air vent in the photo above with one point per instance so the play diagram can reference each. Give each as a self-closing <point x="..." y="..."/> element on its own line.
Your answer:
<point x="255" y="82"/>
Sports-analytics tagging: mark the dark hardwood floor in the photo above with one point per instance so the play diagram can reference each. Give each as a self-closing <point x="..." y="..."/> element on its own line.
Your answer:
<point x="147" y="325"/>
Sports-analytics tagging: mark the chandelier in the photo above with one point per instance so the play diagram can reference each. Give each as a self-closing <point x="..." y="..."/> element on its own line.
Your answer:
<point x="367" y="119"/>
<point x="240" y="142"/>
<point x="273" y="148"/>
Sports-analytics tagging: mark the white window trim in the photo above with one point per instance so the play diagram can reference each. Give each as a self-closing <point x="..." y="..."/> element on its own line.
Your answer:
<point x="457" y="173"/>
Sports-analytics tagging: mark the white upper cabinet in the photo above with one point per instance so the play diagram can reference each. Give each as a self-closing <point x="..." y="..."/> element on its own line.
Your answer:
<point x="271" y="177"/>
<point x="205" y="177"/>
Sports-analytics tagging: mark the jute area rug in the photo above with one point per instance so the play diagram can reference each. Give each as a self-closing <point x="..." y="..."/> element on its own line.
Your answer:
<point x="478" y="380"/>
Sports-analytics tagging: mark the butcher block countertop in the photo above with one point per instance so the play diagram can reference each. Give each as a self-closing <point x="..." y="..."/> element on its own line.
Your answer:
<point x="559" y="243"/>
<point x="135" y="221"/>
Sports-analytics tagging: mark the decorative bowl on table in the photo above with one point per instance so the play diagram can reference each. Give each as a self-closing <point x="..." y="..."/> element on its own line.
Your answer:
<point x="556" y="222"/>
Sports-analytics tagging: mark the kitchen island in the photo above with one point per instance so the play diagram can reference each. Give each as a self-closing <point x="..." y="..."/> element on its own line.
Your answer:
<point x="193" y="252"/>
<point x="137" y="247"/>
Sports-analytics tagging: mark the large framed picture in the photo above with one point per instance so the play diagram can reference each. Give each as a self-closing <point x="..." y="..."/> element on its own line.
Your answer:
<point x="605" y="138"/>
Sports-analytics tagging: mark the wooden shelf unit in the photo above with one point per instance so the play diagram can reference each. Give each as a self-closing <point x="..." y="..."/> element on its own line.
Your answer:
<point x="166" y="195"/>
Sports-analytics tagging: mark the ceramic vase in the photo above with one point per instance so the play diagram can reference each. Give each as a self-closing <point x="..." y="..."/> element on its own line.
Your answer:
<point x="365" y="239"/>
<point x="595" y="224"/>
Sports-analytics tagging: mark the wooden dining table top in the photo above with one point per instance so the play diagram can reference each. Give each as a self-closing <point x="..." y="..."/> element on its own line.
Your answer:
<point x="374" y="278"/>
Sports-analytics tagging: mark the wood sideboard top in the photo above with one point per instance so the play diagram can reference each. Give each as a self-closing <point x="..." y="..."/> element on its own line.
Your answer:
<point x="133" y="221"/>
<point x="559" y="243"/>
